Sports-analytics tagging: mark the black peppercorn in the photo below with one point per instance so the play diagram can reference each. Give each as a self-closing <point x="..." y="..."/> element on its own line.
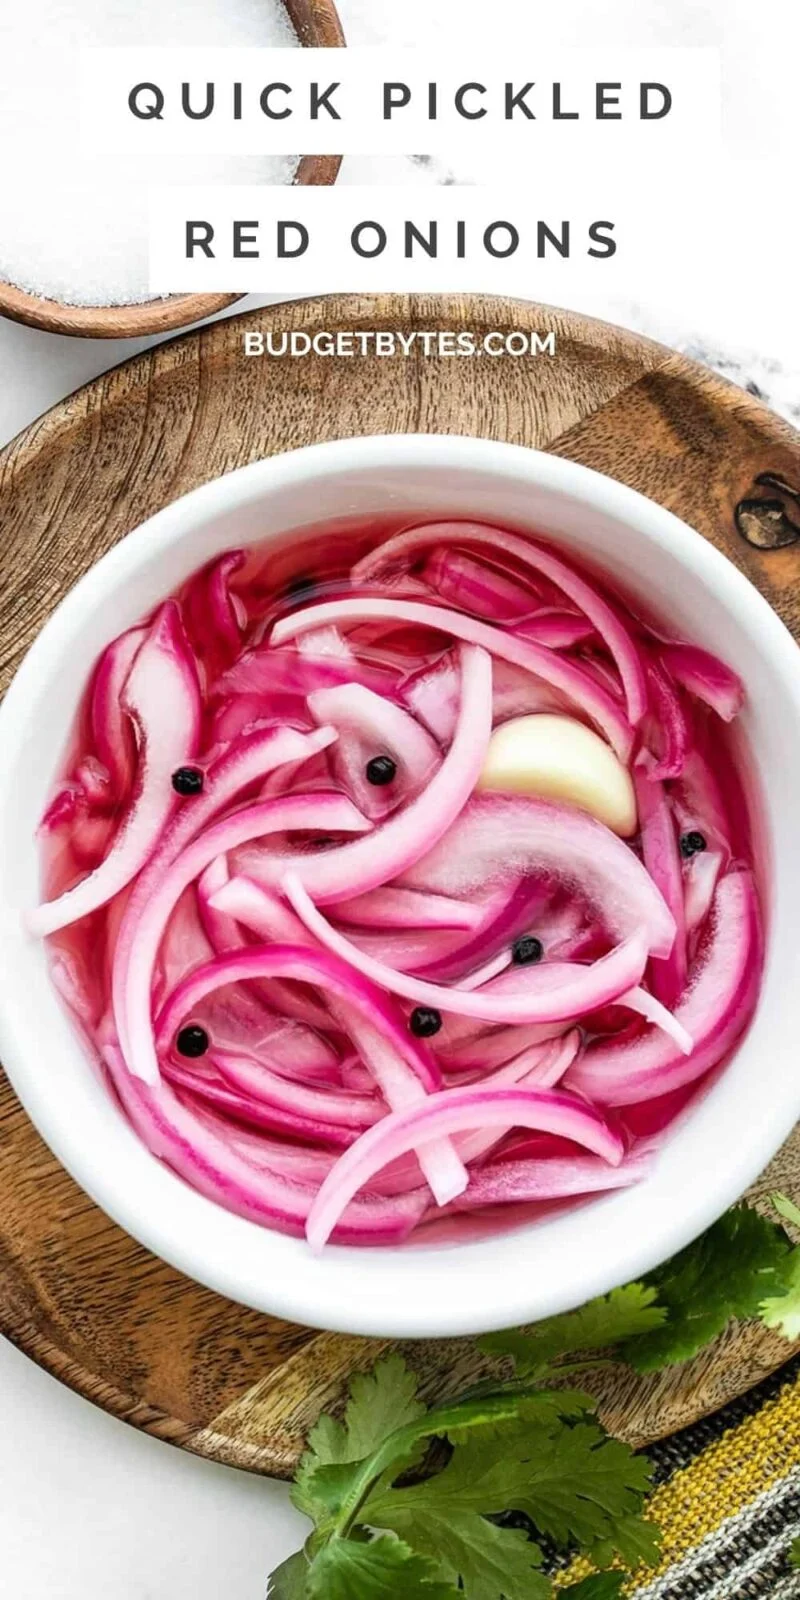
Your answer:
<point x="527" y="950"/>
<point x="192" y="1041"/>
<point x="299" y="590"/>
<point x="381" y="770"/>
<point x="187" y="780"/>
<point x="692" y="843"/>
<point x="425" y="1022"/>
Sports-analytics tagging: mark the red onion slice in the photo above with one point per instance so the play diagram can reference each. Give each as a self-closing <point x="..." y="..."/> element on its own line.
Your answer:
<point x="214" y="616"/>
<point x="706" y="677"/>
<point x="701" y="804"/>
<point x="715" y="1010"/>
<point x="484" y="974"/>
<point x="469" y="585"/>
<point x="327" y="644"/>
<point x="401" y="1083"/>
<point x="244" y="1025"/>
<point x="243" y="1111"/>
<point x="559" y="630"/>
<point x="700" y="877"/>
<point x="162" y="699"/>
<point x="265" y="671"/>
<point x="273" y="922"/>
<point x="671" y="728"/>
<point x="255" y="1080"/>
<point x="71" y="978"/>
<point x="308" y="1166"/>
<point x="215" y="1168"/>
<point x="259" y="910"/>
<point x="523" y="1182"/>
<point x="403" y="1069"/>
<point x="541" y="1067"/>
<point x="302" y="965"/>
<point x="221" y="931"/>
<point x="483" y="1049"/>
<point x="453" y="1111"/>
<point x="148" y="913"/>
<point x="506" y="912"/>
<point x="551" y="975"/>
<point x="392" y="848"/>
<point x="402" y="1087"/>
<point x="647" y="1006"/>
<point x="532" y="557"/>
<point x="663" y="862"/>
<point x="565" y="676"/>
<point x="111" y="729"/>
<point x="496" y="837"/>
<point x="404" y="948"/>
<point x="582" y="990"/>
<point x="433" y="696"/>
<point x="406" y="908"/>
<point x="370" y="725"/>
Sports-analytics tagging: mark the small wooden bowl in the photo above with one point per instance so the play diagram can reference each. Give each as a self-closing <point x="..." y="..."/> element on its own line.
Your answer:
<point x="316" y="23"/>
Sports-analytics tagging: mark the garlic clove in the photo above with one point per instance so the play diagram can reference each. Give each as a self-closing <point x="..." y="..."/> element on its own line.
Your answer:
<point x="558" y="758"/>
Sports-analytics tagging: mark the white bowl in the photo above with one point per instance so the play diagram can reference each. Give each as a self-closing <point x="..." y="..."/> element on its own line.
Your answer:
<point x="439" y="1288"/>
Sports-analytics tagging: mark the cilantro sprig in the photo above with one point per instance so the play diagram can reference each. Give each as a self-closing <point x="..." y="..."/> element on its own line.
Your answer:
<point x="387" y="1523"/>
<point x="744" y="1266"/>
<point x="453" y="1501"/>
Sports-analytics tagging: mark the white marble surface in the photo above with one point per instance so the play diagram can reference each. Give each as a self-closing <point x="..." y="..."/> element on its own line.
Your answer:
<point x="88" y="1508"/>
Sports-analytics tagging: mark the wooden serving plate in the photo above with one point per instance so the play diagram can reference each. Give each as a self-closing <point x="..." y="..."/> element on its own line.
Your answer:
<point x="76" y="1293"/>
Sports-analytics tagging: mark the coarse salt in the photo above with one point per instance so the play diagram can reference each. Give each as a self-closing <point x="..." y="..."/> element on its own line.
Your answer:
<point x="75" y="229"/>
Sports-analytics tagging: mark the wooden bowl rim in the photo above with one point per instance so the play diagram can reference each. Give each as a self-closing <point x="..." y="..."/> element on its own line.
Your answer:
<point x="321" y="27"/>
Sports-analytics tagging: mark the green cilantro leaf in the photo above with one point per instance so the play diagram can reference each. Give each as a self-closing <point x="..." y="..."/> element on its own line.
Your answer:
<point x="635" y="1539"/>
<point x="333" y="1494"/>
<point x="288" y="1581"/>
<point x="787" y="1209"/>
<point x="601" y="1586"/>
<point x="323" y="1493"/>
<point x="744" y="1266"/>
<point x="794" y="1553"/>
<point x="603" y="1322"/>
<point x="783" y="1311"/>
<point x="492" y="1563"/>
<point x="547" y="1408"/>
<point x="380" y="1403"/>
<point x="520" y="1447"/>
<point x="383" y="1569"/>
<point x="574" y="1482"/>
<point x="327" y="1441"/>
<point x="326" y="1444"/>
<point x="740" y="1262"/>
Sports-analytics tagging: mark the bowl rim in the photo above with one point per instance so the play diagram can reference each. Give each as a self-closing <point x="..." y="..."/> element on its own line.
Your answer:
<point x="318" y="26"/>
<point x="319" y="1291"/>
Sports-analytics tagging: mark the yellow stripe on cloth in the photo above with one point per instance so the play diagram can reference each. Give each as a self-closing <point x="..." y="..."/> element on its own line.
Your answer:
<point x="719" y="1484"/>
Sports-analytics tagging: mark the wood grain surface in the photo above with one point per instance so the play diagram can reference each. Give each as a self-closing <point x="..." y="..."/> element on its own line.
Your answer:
<point x="76" y="1293"/>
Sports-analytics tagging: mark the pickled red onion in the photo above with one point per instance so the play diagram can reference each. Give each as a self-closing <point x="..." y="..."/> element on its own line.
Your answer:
<point x="483" y="964"/>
